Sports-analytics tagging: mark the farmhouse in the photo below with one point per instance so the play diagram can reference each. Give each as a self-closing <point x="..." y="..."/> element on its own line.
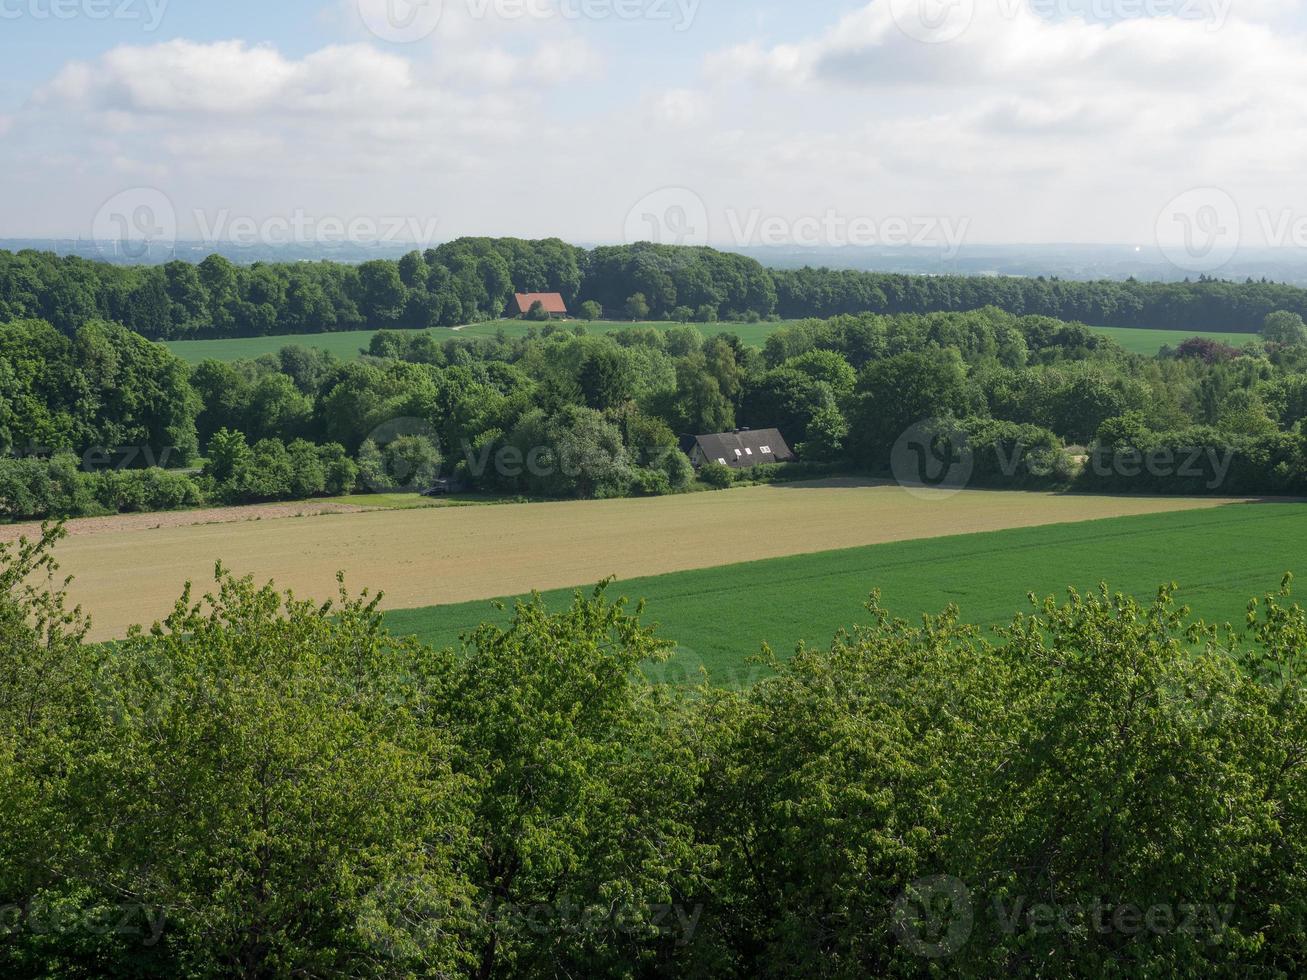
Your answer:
<point x="741" y="448"/>
<point x="521" y="303"/>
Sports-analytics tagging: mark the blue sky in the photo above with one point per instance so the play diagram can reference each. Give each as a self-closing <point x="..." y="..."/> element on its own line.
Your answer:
<point x="725" y="121"/>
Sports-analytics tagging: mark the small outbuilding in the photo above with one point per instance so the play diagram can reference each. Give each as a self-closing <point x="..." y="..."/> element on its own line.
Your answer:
<point x="522" y="303"/>
<point x="740" y="449"/>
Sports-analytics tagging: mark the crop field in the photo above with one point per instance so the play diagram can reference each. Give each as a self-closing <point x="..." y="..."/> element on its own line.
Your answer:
<point x="447" y="555"/>
<point x="720" y="617"/>
<point x="1149" y="342"/>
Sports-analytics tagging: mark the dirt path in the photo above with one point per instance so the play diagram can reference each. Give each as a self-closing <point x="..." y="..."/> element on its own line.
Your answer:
<point x="439" y="556"/>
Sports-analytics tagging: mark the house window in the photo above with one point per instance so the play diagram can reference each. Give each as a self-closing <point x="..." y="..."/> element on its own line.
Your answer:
<point x="749" y="452"/>
<point x="738" y="454"/>
<point x="720" y="460"/>
<point x="765" y="450"/>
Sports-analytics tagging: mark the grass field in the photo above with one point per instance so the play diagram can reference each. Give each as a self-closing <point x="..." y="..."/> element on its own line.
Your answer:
<point x="442" y="555"/>
<point x="347" y="345"/>
<point x="722" y="616"/>
<point x="1149" y="342"/>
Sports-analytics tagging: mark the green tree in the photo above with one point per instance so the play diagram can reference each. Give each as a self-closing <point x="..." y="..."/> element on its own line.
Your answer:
<point x="637" y="307"/>
<point x="1282" y="327"/>
<point x="899" y="392"/>
<point x="579" y="815"/>
<point x="826" y="437"/>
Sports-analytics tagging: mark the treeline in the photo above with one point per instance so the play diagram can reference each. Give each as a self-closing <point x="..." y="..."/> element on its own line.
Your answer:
<point x="472" y="279"/>
<point x="460" y="282"/>
<point x="1013" y="401"/>
<point x="265" y="786"/>
<point x="1206" y="304"/>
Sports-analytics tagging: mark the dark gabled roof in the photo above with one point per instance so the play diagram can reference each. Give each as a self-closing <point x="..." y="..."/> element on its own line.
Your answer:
<point x="747" y="447"/>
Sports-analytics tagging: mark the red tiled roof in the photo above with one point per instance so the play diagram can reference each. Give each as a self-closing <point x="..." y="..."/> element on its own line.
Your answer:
<point x="552" y="302"/>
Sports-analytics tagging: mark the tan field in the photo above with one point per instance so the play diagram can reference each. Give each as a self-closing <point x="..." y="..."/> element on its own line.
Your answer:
<point x="132" y="572"/>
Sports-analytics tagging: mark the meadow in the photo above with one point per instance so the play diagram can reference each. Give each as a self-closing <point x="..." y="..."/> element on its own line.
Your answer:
<point x="1149" y="342"/>
<point x="721" y="617"/>
<point x="449" y="555"/>
<point x="348" y="344"/>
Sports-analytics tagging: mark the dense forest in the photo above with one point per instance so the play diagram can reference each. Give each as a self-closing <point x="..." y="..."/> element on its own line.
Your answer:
<point x="263" y="786"/>
<point x="471" y="279"/>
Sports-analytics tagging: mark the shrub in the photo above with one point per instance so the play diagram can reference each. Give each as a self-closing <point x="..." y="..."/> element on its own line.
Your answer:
<point x="651" y="483"/>
<point x="717" y="475"/>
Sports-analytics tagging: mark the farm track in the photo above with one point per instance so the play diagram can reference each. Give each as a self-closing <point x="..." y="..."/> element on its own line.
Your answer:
<point x="434" y="557"/>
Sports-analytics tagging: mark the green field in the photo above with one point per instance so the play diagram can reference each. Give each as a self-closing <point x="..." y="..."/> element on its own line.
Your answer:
<point x="721" y="616"/>
<point x="348" y="344"/>
<point x="1149" y="342"/>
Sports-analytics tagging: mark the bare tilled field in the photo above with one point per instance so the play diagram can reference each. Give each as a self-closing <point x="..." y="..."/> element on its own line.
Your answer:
<point x="181" y="518"/>
<point x="132" y="572"/>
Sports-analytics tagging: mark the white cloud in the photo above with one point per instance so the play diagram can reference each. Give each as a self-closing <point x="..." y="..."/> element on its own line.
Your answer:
<point x="232" y="78"/>
<point x="1020" y="116"/>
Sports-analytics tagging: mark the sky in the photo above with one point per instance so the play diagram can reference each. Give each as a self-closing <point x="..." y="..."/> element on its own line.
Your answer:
<point x="729" y="122"/>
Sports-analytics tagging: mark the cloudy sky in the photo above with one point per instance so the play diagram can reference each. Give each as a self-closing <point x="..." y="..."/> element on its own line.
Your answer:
<point x="731" y="121"/>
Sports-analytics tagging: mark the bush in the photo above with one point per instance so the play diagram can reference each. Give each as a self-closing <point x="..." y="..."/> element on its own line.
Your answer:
<point x="651" y="483"/>
<point x="142" y="491"/>
<point x="717" y="475"/>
